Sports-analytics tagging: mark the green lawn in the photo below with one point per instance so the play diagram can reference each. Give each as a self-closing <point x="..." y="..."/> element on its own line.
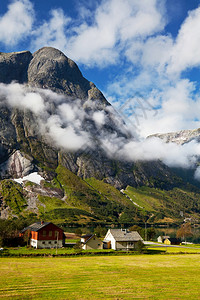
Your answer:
<point x="195" y="248"/>
<point x="112" y="277"/>
<point x="60" y="251"/>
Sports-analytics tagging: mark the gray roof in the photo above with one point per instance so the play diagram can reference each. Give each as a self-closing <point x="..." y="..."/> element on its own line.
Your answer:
<point x="87" y="237"/>
<point x="125" y="235"/>
<point x="36" y="226"/>
<point x="165" y="236"/>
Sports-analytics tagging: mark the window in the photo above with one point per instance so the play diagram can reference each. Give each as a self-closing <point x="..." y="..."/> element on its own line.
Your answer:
<point x="50" y="233"/>
<point x="56" y="234"/>
<point x="50" y="242"/>
<point x="44" y="233"/>
<point x="43" y="243"/>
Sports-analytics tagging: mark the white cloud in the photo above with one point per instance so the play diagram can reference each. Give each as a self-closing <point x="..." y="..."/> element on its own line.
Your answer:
<point x="115" y="31"/>
<point x="170" y="106"/>
<point x="116" y="22"/>
<point x="69" y="126"/>
<point x="60" y="123"/>
<point x="197" y="174"/>
<point x="99" y="118"/>
<point x="17" y="22"/>
<point x="156" y="51"/>
<point x="171" y="154"/>
<point x="179" y="109"/>
<point x="66" y="137"/>
<point x="100" y="40"/>
<point x="52" y="32"/>
<point x="185" y="53"/>
<point x="18" y="96"/>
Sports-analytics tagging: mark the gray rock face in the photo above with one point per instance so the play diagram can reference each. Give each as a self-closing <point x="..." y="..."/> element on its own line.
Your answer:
<point x="13" y="66"/>
<point x="51" y="69"/>
<point x="18" y="165"/>
<point x="48" y="68"/>
<point x="7" y="133"/>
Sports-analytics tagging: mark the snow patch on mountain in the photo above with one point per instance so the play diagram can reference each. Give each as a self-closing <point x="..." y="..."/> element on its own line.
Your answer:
<point x="33" y="177"/>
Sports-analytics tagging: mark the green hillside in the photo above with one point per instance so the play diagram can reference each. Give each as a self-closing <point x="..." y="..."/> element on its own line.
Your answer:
<point x="166" y="206"/>
<point x="91" y="201"/>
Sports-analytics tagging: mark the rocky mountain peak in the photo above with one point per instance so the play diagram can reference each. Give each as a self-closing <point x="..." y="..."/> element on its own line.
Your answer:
<point x="48" y="68"/>
<point x="24" y="133"/>
<point x="51" y="69"/>
<point x="179" y="137"/>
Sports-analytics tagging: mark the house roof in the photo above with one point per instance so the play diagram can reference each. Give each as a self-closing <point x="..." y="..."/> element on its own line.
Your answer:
<point x="87" y="237"/>
<point x="125" y="235"/>
<point x="174" y="240"/>
<point x="165" y="236"/>
<point x="36" y="226"/>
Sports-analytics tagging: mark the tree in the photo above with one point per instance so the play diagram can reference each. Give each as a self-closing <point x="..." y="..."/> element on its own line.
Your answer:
<point x="100" y="231"/>
<point x="78" y="247"/>
<point x="78" y="231"/>
<point x="151" y="233"/>
<point x="139" y="229"/>
<point x="136" y="228"/>
<point x="140" y="246"/>
<point x="27" y="236"/>
<point x="184" y="231"/>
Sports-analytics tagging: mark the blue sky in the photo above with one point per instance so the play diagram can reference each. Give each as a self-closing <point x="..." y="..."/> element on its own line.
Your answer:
<point x="142" y="54"/>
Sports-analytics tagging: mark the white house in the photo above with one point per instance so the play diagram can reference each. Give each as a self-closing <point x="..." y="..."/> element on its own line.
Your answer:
<point x="91" y="241"/>
<point x="122" y="239"/>
<point x="162" y="238"/>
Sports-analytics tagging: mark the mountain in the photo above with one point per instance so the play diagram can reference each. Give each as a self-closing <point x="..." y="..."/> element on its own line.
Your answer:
<point x="180" y="137"/>
<point x="56" y="123"/>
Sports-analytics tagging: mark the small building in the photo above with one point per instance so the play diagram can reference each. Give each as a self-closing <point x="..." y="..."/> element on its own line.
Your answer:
<point x="91" y="241"/>
<point x="162" y="238"/>
<point x="172" y="241"/>
<point x="122" y="239"/>
<point x="44" y="235"/>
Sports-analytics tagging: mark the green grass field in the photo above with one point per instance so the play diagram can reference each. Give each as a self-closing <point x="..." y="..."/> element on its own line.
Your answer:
<point x="188" y="249"/>
<point x="112" y="277"/>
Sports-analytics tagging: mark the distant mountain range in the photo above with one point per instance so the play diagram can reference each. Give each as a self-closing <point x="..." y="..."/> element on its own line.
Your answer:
<point x="180" y="137"/>
<point x="56" y="123"/>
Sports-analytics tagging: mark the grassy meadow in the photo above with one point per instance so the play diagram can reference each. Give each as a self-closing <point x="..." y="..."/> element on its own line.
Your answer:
<point x="101" y="277"/>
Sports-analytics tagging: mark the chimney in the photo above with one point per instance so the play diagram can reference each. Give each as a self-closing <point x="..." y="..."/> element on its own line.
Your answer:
<point x="42" y="222"/>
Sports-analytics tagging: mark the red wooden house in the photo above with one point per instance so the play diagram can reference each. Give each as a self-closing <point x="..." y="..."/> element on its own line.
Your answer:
<point x="44" y="235"/>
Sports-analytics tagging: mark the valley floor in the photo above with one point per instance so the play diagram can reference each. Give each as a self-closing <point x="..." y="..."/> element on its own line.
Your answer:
<point x="107" y="277"/>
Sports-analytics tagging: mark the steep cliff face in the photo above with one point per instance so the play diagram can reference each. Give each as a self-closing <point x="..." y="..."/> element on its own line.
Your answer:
<point x="90" y="172"/>
<point x="51" y="69"/>
<point x="48" y="68"/>
<point x="14" y="66"/>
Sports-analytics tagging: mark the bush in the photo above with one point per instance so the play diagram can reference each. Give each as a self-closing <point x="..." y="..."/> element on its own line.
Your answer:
<point x="78" y="231"/>
<point x="140" y="246"/>
<point x="78" y="246"/>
